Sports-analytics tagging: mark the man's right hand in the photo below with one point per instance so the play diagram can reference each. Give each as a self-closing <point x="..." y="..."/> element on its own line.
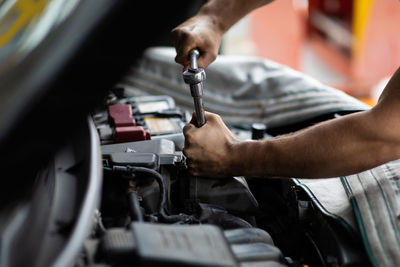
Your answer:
<point x="199" y="32"/>
<point x="210" y="148"/>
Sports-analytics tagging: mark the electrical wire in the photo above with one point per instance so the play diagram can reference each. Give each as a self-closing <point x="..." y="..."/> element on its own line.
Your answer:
<point x="134" y="207"/>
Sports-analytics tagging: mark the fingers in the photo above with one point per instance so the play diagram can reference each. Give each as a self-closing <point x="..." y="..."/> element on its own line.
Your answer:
<point x="210" y="117"/>
<point x="195" y="33"/>
<point x="188" y="148"/>
<point x="188" y="127"/>
<point x="206" y="58"/>
<point x="192" y="167"/>
<point x="213" y="118"/>
<point x="184" y="42"/>
<point x="188" y="136"/>
<point x="203" y="61"/>
<point x="191" y="164"/>
<point x="199" y="144"/>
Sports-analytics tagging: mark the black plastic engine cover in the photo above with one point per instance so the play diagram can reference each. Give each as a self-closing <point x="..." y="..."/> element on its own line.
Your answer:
<point x="233" y="194"/>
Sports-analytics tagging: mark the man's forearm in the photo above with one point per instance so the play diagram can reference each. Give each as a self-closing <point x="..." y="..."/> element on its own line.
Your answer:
<point x="338" y="147"/>
<point x="342" y="146"/>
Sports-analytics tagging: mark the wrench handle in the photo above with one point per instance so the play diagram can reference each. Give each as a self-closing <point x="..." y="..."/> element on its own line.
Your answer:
<point x="197" y="91"/>
<point x="199" y="110"/>
<point x="194" y="54"/>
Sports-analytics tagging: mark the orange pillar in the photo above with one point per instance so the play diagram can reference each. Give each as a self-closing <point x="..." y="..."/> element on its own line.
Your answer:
<point x="378" y="53"/>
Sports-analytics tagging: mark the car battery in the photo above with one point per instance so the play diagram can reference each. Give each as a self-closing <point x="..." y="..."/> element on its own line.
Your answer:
<point x="139" y="118"/>
<point x="158" y="114"/>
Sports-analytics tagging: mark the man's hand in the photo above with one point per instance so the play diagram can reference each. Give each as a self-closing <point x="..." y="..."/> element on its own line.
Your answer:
<point x="210" y="149"/>
<point x="204" y="31"/>
<point x="199" y="32"/>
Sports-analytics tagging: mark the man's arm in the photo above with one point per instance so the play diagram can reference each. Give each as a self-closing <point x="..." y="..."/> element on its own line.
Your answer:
<point x="341" y="146"/>
<point x="204" y="31"/>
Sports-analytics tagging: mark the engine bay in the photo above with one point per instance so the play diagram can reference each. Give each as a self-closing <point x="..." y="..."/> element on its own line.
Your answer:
<point x="113" y="189"/>
<point x="154" y="213"/>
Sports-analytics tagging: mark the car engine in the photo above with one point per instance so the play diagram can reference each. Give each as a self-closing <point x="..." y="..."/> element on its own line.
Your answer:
<point x="154" y="213"/>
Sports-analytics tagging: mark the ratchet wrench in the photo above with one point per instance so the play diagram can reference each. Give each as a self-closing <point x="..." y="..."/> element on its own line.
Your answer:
<point x="195" y="76"/>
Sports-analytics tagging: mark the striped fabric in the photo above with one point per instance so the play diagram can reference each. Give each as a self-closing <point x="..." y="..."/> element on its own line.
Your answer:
<point x="370" y="203"/>
<point x="375" y="196"/>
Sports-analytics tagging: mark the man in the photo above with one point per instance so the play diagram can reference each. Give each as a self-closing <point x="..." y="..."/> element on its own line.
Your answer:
<point x="338" y="147"/>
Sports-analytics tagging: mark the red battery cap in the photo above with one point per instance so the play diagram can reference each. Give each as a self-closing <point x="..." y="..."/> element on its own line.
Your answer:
<point x="131" y="134"/>
<point x="121" y="115"/>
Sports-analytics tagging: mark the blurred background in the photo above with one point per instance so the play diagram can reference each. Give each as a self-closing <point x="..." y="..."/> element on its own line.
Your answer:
<point x="351" y="45"/>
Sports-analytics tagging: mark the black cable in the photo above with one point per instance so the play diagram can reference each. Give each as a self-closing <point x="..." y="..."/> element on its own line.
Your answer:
<point x="228" y="221"/>
<point x="134" y="207"/>
<point x="163" y="190"/>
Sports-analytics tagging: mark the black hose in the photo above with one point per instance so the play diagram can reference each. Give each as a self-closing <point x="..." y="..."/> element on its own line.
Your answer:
<point x="163" y="190"/>
<point x="228" y="221"/>
<point x="134" y="207"/>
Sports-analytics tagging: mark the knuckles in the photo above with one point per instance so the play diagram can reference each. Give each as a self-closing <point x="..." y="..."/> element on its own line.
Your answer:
<point x="186" y="129"/>
<point x="213" y="57"/>
<point x="190" y="140"/>
<point x="212" y="117"/>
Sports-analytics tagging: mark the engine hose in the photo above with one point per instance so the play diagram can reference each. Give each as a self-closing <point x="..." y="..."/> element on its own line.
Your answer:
<point x="134" y="207"/>
<point x="163" y="190"/>
<point x="228" y="221"/>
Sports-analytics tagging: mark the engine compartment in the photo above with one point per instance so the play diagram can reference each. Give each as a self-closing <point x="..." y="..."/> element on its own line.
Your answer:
<point x="154" y="213"/>
<point x="118" y="194"/>
<point x="149" y="196"/>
